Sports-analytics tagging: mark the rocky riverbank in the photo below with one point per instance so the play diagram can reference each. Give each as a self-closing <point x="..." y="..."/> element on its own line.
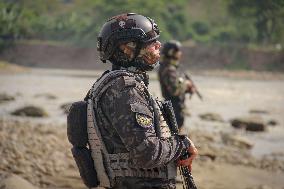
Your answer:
<point x="40" y="154"/>
<point x="35" y="152"/>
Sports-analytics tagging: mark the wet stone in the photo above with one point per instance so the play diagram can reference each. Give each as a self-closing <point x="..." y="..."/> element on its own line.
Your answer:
<point x="272" y="122"/>
<point x="211" y="117"/>
<point x="65" y="107"/>
<point x="249" y="123"/>
<point x="256" y="111"/>
<point x="5" y="98"/>
<point x="46" y="95"/>
<point x="236" y="140"/>
<point x="30" y="111"/>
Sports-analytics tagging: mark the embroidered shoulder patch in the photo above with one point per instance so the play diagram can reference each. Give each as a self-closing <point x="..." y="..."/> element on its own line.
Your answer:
<point x="144" y="120"/>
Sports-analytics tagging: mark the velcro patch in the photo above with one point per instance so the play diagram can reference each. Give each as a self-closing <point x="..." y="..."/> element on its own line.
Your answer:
<point x="129" y="81"/>
<point x="144" y="120"/>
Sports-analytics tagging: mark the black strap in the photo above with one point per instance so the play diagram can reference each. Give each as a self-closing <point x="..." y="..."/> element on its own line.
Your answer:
<point x="88" y="95"/>
<point x="156" y="117"/>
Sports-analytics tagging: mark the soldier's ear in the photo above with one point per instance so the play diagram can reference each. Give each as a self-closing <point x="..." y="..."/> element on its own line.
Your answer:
<point x="127" y="49"/>
<point x="122" y="47"/>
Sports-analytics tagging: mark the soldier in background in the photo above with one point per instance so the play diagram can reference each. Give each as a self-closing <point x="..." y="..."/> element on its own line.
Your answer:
<point x="173" y="84"/>
<point x="125" y="122"/>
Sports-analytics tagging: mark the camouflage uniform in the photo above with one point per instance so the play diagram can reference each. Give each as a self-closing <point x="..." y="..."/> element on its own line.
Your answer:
<point x="173" y="88"/>
<point x="126" y="123"/>
<point x="126" y="142"/>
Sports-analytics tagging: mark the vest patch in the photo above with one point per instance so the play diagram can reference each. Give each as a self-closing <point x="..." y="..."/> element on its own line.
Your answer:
<point x="144" y="120"/>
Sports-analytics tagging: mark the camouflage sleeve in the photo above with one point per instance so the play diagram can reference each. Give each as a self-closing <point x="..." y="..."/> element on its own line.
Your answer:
<point x="175" y="86"/>
<point x="130" y="114"/>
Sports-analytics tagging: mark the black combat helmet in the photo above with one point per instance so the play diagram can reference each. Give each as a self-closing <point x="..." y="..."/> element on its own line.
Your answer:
<point x="124" y="28"/>
<point x="170" y="48"/>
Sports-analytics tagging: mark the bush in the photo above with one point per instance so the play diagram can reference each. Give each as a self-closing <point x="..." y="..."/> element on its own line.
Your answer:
<point x="14" y="23"/>
<point x="200" y="28"/>
<point x="223" y="34"/>
<point x="79" y="21"/>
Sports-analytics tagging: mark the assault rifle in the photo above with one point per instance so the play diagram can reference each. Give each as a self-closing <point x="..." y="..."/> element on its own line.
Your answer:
<point x="194" y="86"/>
<point x="188" y="182"/>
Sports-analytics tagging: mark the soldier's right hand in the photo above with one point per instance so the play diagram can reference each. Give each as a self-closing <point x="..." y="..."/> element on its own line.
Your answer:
<point x="192" y="153"/>
<point x="190" y="87"/>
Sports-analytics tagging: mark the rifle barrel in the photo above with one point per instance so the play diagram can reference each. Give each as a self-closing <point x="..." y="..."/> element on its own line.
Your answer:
<point x="196" y="90"/>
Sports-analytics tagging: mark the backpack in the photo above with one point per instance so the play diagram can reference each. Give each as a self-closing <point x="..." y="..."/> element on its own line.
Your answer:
<point x="78" y="137"/>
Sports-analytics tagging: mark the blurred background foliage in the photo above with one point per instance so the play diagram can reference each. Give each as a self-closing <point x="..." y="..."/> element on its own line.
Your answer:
<point x="255" y="23"/>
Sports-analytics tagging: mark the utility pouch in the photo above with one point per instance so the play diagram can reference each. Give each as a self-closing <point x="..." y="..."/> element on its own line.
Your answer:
<point x="77" y="124"/>
<point x="78" y="137"/>
<point x="85" y="165"/>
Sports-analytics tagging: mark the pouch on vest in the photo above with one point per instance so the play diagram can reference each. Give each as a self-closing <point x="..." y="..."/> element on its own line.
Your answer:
<point x="78" y="137"/>
<point x="77" y="124"/>
<point x="86" y="167"/>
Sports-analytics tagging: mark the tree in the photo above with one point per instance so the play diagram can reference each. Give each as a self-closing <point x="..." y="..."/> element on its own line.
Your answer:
<point x="265" y="15"/>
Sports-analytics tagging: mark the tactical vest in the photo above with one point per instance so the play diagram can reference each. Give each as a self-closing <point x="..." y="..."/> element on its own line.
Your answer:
<point x="110" y="166"/>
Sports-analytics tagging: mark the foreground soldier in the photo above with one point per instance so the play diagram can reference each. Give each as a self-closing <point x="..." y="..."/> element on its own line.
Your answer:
<point x="130" y="141"/>
<point x="173" y="85"/>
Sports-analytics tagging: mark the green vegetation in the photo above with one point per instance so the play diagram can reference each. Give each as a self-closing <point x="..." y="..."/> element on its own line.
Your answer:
<point x="265" y="16"/>
<point x="257" y="23"/>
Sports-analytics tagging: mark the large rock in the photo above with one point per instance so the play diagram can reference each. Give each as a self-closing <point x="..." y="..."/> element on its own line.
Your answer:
<point x="272" y="122"/>
<point x="256" y="111"/>
<point x="65" y="107"/>
<point x="211" y="117"/>
<point x="260" y="187"/>
<point x="4" y="97"/>
<point x="187" y="112"/>
<point x="205" y="152"/>
<point x="12" y="181"/>
<point x="46" y="95"/>
<point x="249" y="123"/>
<point x="31" y="111"/>
<point x="236" y="140"/>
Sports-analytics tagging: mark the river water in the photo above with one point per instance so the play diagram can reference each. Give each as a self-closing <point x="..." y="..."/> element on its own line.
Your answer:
<point x="228" y="97"/>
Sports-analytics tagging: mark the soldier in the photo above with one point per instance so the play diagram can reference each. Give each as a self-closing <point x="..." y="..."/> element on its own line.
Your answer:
<point x="130" y="141"/>
<point x="173" y="85"/>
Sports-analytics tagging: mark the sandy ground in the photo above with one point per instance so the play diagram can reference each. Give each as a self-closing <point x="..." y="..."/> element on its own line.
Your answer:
<point x="233" y="166"/>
